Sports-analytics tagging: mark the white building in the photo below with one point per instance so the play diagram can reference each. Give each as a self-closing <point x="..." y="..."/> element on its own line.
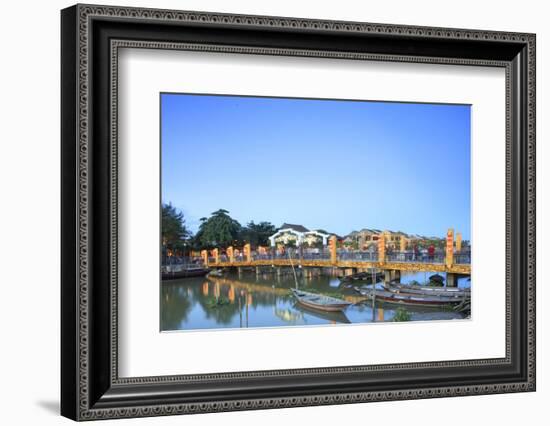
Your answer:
<point x="296" y="234"/>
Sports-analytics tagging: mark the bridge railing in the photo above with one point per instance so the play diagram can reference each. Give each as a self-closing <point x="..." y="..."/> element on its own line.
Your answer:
<point x="409" y="257"/>
<point x="180" y="260"/>
<point x="350" y="256"/>
<point x="292" y="254"/>
<point x="316" y="255"/>
<point x="359" y="256"/>
<point x="262" y="256"/>
<point x="288" y="254"/>
<point x="462" y="258"/>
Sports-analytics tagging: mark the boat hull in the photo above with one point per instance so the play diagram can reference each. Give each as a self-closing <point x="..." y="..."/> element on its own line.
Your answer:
<point x="332" y="308"/>
<point x="189" y="273"/>
<point x="304" y="298"/>
<point x="428" y="291"/>
<point x="411" y="300"/>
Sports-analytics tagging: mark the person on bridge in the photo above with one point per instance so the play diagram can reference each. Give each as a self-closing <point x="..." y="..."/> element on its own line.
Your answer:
<point x="431" y="252"/>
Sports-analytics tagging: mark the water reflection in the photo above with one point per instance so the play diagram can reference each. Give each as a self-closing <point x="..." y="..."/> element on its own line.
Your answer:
<point x="331" y="317"/>
<point x="264" y="300"/>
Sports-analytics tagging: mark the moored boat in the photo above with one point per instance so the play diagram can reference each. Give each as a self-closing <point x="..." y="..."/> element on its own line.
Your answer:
<point x="410" y="299"/>
<point x="174" y="272"/>
<point x="427" y="291"/>
<point x="319" y="301"/>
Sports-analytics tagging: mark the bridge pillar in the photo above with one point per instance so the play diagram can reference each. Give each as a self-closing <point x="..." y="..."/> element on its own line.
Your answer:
<point x="230" y="255"/>
<point x="382" y="248"/>
<point x="452" y="280"/>
<point x="247" y="252"/>
<point x="332" y="248"/>
<point x="458" y="241"/>
<point x="258" y="270"/>
<point x="239" y="271"/>
<point x="204" y="255"/>
<point x="387" y="276"/>
<point x="395" y="275"/>
<point x="215" y="255"/>
<point x="449" y="255"/>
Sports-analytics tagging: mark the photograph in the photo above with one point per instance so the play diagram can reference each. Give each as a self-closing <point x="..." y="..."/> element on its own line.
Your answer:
<point x="280" y="212"/>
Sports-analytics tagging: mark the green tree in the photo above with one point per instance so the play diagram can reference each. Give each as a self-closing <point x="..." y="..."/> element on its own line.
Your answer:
<point x="257" y="234"/>
<point x="291" y="243"/>
<point x="219" y="230"/>
<point x="174" y="231"/>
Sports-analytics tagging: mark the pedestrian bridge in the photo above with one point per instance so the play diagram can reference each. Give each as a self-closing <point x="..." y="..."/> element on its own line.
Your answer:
<point x="407" y="262"/>
<point x="453" y="260"/>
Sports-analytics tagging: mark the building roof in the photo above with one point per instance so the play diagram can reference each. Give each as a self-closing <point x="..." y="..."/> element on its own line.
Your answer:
<point x="297" y="228"/>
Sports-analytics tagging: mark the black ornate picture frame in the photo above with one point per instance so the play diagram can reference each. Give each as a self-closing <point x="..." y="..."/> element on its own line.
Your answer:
<point x="90" y="38"/>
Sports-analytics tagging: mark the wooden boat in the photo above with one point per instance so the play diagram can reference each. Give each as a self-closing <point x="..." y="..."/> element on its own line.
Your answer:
<point x="319" y="301"/>
<point x="464" y="307"/>
<point x="174" y="272"/>
<point x="409" y="299"/>
<point x="427" y="291"/>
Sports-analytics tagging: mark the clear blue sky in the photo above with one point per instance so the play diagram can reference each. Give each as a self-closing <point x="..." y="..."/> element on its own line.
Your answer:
<point x="335" y="165"/>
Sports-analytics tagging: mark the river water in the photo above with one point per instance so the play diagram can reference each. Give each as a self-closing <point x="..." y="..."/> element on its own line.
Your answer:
<point x="250" y="300"/>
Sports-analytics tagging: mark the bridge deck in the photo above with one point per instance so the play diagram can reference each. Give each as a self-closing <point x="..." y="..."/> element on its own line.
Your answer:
<point x="398" y="266"/>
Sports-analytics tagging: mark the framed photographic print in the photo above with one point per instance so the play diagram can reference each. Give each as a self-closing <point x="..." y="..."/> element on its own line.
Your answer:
<point x="263" y="212"/>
